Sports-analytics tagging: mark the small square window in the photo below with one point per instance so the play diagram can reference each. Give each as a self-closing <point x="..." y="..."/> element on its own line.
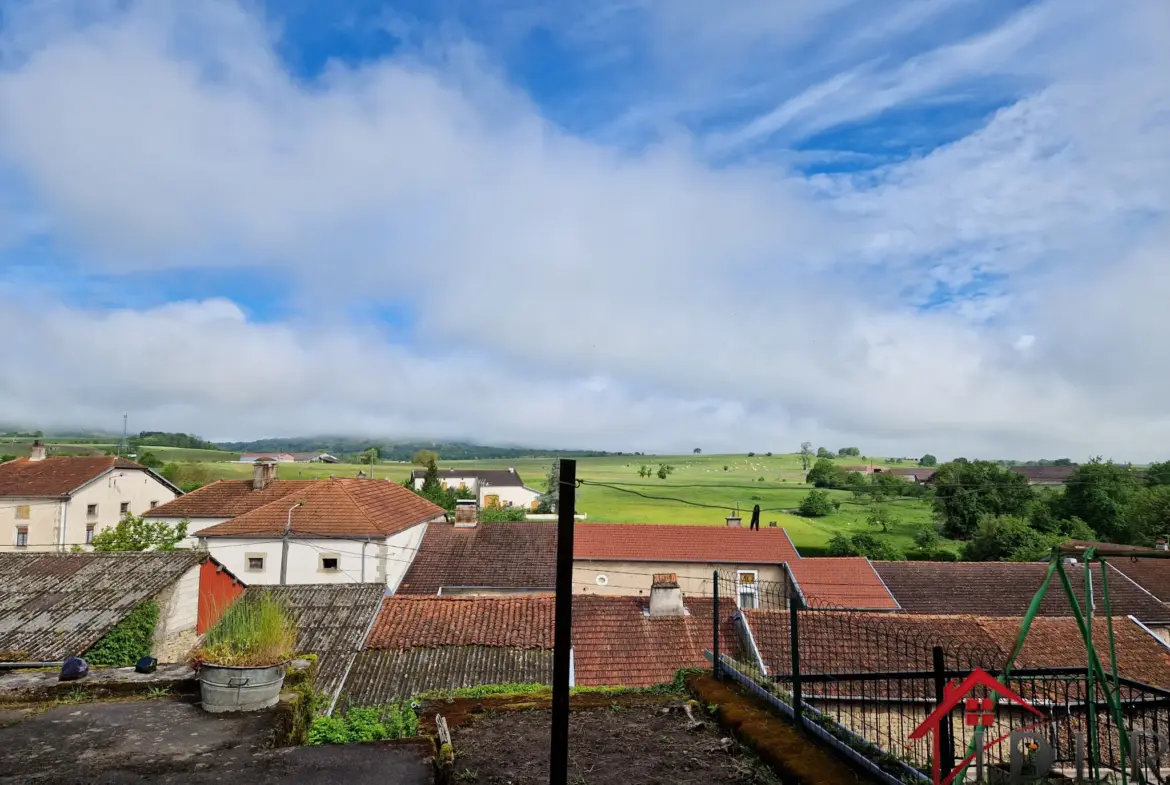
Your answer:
<point x="21" y="536"/>
<point x="89" y="533"/>
<point x="330" y="562"/>
<point x="255" y="562"/>
<point x="124" y="508"/>
<point x="91" y="510"/>
<point x="23" y="512"/>
<point x="153" y="504"/>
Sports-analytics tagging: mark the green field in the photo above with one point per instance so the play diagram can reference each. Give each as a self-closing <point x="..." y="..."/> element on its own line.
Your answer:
<point x="697" y="480"/>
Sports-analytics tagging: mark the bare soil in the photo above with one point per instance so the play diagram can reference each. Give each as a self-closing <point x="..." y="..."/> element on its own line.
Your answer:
<point x="634" y="744"/>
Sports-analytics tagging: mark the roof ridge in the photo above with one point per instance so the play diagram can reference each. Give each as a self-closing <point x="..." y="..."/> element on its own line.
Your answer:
<point x="357" y="505"/>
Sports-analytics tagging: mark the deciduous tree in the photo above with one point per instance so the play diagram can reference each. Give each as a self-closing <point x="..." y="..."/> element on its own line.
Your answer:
<point x="966" y="492"/>
<point x="135" y="533"/>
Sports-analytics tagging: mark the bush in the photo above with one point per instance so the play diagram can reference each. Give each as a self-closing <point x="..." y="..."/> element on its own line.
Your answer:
<point x="498" y="514"/>
<point x="1006" y="538"/>
<point x="815" y="505"/>
<point x="863" y="545"/>
<point x="251" y="632"/>
<point x="926" y="537"/>
<point x="128" y="641"/>
<point x="366" y="723"/>
<point x="940" y="554"/>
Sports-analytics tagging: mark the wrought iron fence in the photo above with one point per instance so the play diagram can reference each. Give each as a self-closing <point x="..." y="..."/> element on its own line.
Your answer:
<point x="880" y="676"/>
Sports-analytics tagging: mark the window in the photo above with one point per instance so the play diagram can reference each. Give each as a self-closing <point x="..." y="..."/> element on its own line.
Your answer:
<point x="91" y="510"/>
<point x="89" y="533"/>
<point x="254" y="562"/>
<point x="329" y="562"/>
<point x="23" y="511"/>
<point x="21" y="536"/>
<point x="748" y="597"/>
<point x="153" y="504"/>
<point x="123" y="508"/>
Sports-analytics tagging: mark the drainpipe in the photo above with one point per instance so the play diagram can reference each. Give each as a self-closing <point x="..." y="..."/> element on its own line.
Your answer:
<point x="64" y="521"/>
<point x="364" y="544"/>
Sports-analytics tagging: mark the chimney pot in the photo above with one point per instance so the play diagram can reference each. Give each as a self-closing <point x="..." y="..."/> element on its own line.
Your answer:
<point x="466" y="514"/>
<point x="666" y="596"/>
<point x="263" y="473"/>
<point x="37" y="451"/>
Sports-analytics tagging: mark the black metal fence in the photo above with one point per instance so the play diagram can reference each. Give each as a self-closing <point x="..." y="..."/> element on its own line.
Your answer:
<point x="880" y="676"/>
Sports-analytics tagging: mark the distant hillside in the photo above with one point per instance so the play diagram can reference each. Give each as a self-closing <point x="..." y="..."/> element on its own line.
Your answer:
<point x="401" y="451"/>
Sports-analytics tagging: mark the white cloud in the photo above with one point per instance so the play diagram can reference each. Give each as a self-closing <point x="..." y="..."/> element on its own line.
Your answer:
<point x="637" y="300"/>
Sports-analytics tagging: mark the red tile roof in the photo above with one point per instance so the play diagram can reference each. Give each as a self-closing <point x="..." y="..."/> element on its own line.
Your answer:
<point x="667" y="543"/>
<point x="615" y="642"/>
<point x="842" y="581"/>
<point x="845" y="643"/>
<point x="57" y="475"/>
<point x="413" y="622"/>
<point x="512" y="555"/>
<point x="334" y="508"/>
<point x="227" y="499"/>
<point x="1007" y="589"/>
<point x="1152" y="575"/>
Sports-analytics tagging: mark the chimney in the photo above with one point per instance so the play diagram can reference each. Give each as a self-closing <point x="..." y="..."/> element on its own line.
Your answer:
<point x="466" y="514"/>
<point x="734" y="520"/>
<point x="263" y="473"/>
<point x="1161" y="544"/>
<point x="37" y="452"/>
<point x="665" y="596"/>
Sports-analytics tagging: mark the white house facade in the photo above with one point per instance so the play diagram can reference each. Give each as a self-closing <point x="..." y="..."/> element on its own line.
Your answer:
<point x="492" y="487"/>
<point x="58" y="502"/>
<point x="337" y="530"/>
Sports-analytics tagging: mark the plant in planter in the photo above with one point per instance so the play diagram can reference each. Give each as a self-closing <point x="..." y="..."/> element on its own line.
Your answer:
<point x="243" y="657"/>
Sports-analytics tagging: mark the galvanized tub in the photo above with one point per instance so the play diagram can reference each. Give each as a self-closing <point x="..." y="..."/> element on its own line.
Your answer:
<point x="233" y="688"/>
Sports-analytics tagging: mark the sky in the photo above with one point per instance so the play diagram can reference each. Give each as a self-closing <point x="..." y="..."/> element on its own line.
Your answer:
<point x="629" y="225"/>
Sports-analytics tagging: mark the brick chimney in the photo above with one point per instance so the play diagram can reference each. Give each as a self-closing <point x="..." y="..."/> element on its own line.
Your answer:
<point x="37" y="451"/>
<point x="263" y="473"/>
<point x="466" y="514"/>
<point x="734" y="520"/>
<point x="666" y="596"/>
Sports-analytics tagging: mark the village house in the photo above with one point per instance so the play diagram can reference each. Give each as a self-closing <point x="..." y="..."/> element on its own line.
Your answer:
<point x="509" y="558"/>
<point x="339" y="530"/>
<point x="492" y="487"/>
<point x="58" y="605"/>
<point x="1045" y="475"/>
<point x="54" y="503"/>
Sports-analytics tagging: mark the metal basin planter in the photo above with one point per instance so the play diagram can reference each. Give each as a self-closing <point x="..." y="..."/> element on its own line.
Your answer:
<point x="227" y="688"/>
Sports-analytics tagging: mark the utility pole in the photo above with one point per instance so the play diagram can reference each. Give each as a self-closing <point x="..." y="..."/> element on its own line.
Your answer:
<point x="563" y="625"/>
<point x="284" y="545"/>
<point x="122" y="444"/>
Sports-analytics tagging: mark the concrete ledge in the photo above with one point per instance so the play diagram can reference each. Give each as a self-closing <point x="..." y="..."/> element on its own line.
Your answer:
<point x="34" y="686"/>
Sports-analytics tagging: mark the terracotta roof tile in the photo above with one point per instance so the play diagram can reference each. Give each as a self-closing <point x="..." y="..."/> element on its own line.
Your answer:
<point x="665" y="543"/>
<point x="227" y="499"/>
<point x="499" y="555"/>
<point x="412" y="622"/>
<point x="334" y="508"/>
<point x="1152" y="575"/>
<point x="845" y="582"/>
<point x="57" y="475"/>
<point x="845" y="643"/>
<point x="616" y="644"/>
<point x="1006" y="589"/>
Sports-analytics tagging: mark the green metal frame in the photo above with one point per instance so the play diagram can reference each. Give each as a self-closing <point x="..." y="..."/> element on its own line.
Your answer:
<point x="1095" y="670"/>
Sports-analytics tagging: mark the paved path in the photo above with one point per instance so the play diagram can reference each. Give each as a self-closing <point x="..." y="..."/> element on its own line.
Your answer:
<point x="171" y="741"/>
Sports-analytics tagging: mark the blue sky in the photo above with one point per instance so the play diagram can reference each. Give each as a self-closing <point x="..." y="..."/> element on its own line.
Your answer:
<point x="634" y="224"/>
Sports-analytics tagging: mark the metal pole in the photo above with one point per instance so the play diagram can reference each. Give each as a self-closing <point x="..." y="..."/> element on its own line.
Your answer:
<point x="563" y="633"/>
<point x="946" y="758"/>
<point x="797" y="692"/>
<point x="284" y="546"/>
<point x="715" y="627"/>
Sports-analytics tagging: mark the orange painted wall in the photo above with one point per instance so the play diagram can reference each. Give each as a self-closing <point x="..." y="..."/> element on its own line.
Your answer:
<point x="218" y="589"/>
